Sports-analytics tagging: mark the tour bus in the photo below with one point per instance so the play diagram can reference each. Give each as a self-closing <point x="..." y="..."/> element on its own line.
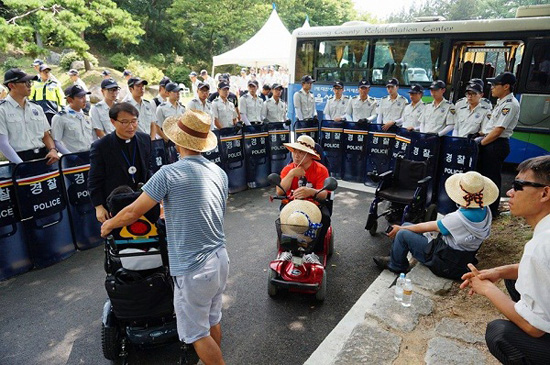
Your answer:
<point x="432" y="49"/>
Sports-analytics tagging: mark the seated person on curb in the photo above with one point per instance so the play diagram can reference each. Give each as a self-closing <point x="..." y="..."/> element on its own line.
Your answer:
<point x="524" y="336"/>
<point x="461" y="232"/>
<point x="304" y="177"/>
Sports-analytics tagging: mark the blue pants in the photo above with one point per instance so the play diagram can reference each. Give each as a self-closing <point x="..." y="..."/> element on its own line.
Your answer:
<point x="404" y="242"/>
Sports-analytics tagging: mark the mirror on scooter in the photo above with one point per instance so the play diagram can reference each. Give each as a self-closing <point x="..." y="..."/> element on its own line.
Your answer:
<point x="275" y="179"/>
<point x="330" y="184"/>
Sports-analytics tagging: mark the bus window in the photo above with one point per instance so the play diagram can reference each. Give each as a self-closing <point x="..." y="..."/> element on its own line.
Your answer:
<point x="344" y="60"/>
<point x="539" y="69"/>
<point x="305" y="52"/>
<point x="411" y="61"/>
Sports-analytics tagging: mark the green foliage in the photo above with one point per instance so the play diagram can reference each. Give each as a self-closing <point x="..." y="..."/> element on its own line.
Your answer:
<point x="11" y="62"/>
<point x="68" y="58"/>
<point x="158" y="60"/>
<point x="119" y="61"/>
<point x="179" y="73"/>
<point x="147" y="72"/>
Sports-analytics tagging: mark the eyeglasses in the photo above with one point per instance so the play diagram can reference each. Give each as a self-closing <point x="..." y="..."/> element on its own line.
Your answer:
<point x="27" y="83"/>
<point x="518" y="185"/>
<point x="126" y="122"/>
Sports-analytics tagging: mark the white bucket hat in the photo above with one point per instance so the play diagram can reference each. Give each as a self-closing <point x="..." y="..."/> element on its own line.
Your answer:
<point x="300" y="217"/>
<point x="471" y="189"/>
<point x="304" y="143"/>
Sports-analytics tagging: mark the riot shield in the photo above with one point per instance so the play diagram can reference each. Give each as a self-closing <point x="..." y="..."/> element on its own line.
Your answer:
<point x="159" y="156"/>
<point x="215" y="155"/>
<point x="379" y="147"/>
<point x="355" y="151"/>
<point x="309" y="127"/>
<point x="279" y="154"/>
<point x="232" y="155"/>
<point x="256" y="155"/>
<point x="332" y="141"/>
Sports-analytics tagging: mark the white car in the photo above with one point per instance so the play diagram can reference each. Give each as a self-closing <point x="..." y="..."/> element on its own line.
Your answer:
<point x="417" y="75"/>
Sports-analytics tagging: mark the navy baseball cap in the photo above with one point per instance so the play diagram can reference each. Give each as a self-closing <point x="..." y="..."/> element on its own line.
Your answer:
<point x="437" y="85"/>
<point x="72" y="72"/>
<point x="37" y="62"/>
<point x="503" y="79"/>
<point x="223" y="85"/>
<point x="253" y="82"/>
<point x="193" y="73"/>
<point x="416" y="89"/>
<point x="44" y="67"/>
<point x="477" y="81"/>
<point x="201" y="85"/>
<point x="17" y="75"/>
<point x="105" y="72"/>
<point x="164" y="81"/>
<point x="277" y="86"/>
<point x="75" y="91"/>
<point x="204" y="72"/>
<point x="477" y="88"/>
<point x="307" y="79"/>
<point x="109" y="84"/>
<point x="126" y="73"/>
<point x="392" y="82"/>
<point x="136" y="81"/>
<point x="172" y="86"/>
<point x="364" y="83"/>
<point x="338" y="84"/>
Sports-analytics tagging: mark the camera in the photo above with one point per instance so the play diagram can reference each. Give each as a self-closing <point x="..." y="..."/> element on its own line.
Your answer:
<point x="389" y="229"/>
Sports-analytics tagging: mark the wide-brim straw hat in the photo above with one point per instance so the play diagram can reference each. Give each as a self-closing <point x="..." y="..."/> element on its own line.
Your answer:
<point x="191" y="130"/>
<point x="304" y="143"/>
<point x="471" y="189"/>
<point x="296" y="216"/>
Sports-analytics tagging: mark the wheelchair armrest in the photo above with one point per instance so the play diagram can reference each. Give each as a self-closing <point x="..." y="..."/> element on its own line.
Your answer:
<point x="386" y="174"/>
<point x="424" y="181"/>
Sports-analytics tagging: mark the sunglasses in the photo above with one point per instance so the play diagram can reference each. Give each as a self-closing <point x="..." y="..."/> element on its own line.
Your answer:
<point x="518" y="185"/>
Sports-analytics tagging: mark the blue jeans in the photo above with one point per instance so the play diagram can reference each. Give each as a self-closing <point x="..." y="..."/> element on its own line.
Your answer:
<point x="404" y="242"/>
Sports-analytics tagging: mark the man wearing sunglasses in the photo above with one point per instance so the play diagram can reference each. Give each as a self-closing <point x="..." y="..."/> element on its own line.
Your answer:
<point x="524" y="338"/>
<point x="24" y="129"/>
<point x="495" y="145"/>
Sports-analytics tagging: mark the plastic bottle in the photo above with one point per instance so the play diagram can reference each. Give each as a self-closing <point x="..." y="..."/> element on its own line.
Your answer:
<point x="407" y="293"/>
<point x="398" y="294"/>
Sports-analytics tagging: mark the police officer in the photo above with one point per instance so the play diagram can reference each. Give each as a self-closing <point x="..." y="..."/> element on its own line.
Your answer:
<point x="147" y="110"/>
<point x="413" y="111"/>
<point x="391" y="106"/>
<point x="71" y="128"/>
<point x="194" y="82"/>
<point x="206" y="78"/>
<point x="266" y="92"/>
<point x="24" y="129"/>
<point x="106" y="74"/>
<point x="99" y="113"/>
<point x="223" y="110"/>
<point x="47" y="93"/>
<point x="473" y="115"/>
<point x="495" y="145"/>
<point x="36" y="65"/>
<point x="127" y="74"/>
<point x="251" y="105"/>
<point x="231" y="97"/>
<point x="362" y="106"/>
<point x="74" y="75"/>
<point x="439" y="115"/>
<point x="172" y="106"/>
<point x="464" y="100"/>
<point x="337" y="105"/>
<point x="163" y="93"/>
<point x="274" y="109"/>
<point x="201" y="101"/>
<point x="304" y="101"/>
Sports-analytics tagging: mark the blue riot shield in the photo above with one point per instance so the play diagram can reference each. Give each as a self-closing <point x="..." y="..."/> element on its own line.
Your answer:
<point x="86" y="228"/>
<point x="332" y="141"/>
<point x="457" y="155"/>
<point x="379" y="147"/>
<point x="43" y="210"/>
<point x="215" y="154"/>
<point x="159" y="156"/>
<point x="278" y="153"/>
<point x="355" y="151"/>
<point x="401" y="145"/>
<point x="256" y="155"/>
<point x="233" y="163"/>
<point x="14" y="254"/>
<point x="309" y="127"/>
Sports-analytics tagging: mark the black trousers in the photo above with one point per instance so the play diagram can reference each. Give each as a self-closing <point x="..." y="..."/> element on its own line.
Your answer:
<point x="511" y="345"/>
<point x="489" y="163"/>
<point x="32" y="155"/>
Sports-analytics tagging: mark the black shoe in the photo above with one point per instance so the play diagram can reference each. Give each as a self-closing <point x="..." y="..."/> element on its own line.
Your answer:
<point x="383" y="262"/>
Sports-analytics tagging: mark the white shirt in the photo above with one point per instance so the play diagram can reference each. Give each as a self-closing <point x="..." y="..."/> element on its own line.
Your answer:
<point x="436" y="117"/>
<point x="470" y="121"/>
<point x="99" y="113"/>
<point x="505" y="114"/>
<point x="224" y="111"/>
<point x="361" y="109"/>
<point x="273" y="111"/>
<point x="166" y="109"/>
<point x="73" y="129"/>
<point x="147" y="114"/>
<point x="533" y="274"/>
<point x="411" y="116"/>
<point x="336" y="108"/>
<point x="83" y="86"/>
<point x="304" y="104"/>
<point x="389" y="110"/>
<point x="250" y="108"/>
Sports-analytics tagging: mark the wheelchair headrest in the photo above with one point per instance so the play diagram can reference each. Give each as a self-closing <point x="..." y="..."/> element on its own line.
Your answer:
<point x="409" y="172"/>
<point x="115" y="203"/>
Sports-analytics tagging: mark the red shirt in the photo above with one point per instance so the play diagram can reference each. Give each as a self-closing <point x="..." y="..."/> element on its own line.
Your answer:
<point x="315" y="176"/>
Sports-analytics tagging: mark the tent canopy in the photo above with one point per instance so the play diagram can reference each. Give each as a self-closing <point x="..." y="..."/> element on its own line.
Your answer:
<point x="270" y="46"/>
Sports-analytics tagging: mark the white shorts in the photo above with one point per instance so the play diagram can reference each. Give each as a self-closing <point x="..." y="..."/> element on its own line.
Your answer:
<point x="198" y="297"/>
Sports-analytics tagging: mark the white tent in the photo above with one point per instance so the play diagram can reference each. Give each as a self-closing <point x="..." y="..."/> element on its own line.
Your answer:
<point x="270" y="46"/>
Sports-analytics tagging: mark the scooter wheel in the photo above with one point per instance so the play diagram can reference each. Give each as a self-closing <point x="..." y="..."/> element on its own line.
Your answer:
<point x="271" y="288"/>
<point x="110" y="342"/>
<point x="331" y="244"/>
<point x="322" y="292"/>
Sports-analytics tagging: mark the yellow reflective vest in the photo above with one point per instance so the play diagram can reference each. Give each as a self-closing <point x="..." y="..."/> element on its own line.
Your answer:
<point x="48" y="95"/>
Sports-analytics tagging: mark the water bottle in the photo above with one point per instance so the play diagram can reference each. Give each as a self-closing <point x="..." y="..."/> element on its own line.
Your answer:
<point x="407" y="293"/>
<point x="398" y="294"/>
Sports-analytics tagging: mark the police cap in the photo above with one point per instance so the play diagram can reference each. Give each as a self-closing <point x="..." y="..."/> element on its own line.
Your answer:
<point x="172" y="86"/>
<point x="364" y="83"/>
<point x="109" y="84"/>
<point x="17" y="75"/>
<point x="136" y="81"/>
<point x="75" y="91"/>
<point x="503" y="79"/>
<point x="392" y="82"/>
<point x="416" y="89"/>
<point x="437" y="85"/>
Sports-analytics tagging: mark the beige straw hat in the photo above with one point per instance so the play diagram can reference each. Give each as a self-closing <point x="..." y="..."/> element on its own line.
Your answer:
<point x="298" y="215"/>
<point x="191" y="130"/>
<point x="471" y="189"/>
<point x="304" y="143"/>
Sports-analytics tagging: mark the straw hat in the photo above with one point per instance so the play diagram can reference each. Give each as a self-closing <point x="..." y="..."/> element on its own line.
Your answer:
<point x="298" y="216"/>
<point x="471" y="189"/>
<point x="304" y="143"/>
<point x="191" y="130"/>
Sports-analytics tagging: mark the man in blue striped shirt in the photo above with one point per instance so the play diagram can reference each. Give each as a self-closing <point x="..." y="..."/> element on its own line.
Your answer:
<point x="194" y="192"/>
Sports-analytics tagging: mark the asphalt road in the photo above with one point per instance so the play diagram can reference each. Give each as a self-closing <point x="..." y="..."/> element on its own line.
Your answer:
<point x="53" y="315"/>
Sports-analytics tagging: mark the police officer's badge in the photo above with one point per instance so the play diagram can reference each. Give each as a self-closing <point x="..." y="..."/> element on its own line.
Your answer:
<point x="35" y="112"/>
<point x="477" y="115"/>
<point x="505" y="111"/>
<point x="452" y="110"/>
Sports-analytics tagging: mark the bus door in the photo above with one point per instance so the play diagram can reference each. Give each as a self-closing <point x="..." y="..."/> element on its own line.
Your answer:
<point x="481" y="60"/>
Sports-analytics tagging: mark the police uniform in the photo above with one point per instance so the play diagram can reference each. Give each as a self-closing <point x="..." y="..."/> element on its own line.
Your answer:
<point x="196" y="104"/>
<point x="464" y="102"/>
<point x="158" y="100"/>
<point x="72" y="128"/>
<point x="470" y="121"/>
<point x="250" y="108"/>
<point x="273" y="111"/>
<point x="390" y="110"/>
<point x="411" y="115"/>
<point x="99" y="114"/>
<point x="304" y="103"/>
<point x="24" y="127"/>
<point x="49" y="96"/>
<point x="147" y="114"/>
<point x="436" y="117"/>
<point x="166" y="109"/>
<point x="361" y="109"/>
<point x="336" y="108"/>
<point x="224" y="111"/>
